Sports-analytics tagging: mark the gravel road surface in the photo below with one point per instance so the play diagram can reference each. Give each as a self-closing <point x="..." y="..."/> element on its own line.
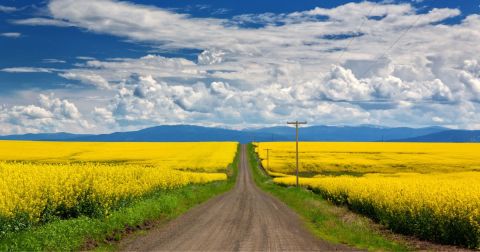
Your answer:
<point x="244" y="219"/>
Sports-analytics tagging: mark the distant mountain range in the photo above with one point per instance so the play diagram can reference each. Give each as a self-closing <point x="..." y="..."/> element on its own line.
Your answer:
<point x="348" y="133"/>
<point x="449" y="136"/>
<point x="190" y="133"/>
<point x="43" y="136"/>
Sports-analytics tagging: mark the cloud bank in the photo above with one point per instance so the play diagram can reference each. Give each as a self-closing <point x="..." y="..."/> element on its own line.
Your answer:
<point x="50" y="114"/>
<point x="359" y="63"/>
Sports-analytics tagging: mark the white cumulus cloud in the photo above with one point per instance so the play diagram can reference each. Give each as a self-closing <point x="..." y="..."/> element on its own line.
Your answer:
<point x="403" y="67"/>
<point x="51" y="114"/>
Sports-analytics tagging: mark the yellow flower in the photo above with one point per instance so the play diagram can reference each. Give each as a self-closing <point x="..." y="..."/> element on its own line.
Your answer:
<point x="40" y="176"/>
<point x="430" y="190"/>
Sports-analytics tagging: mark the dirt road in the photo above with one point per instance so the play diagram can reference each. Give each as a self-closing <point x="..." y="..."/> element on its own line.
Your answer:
<point x="244" y="219"/>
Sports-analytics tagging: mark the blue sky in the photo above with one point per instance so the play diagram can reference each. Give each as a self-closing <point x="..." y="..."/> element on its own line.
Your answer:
<point x="101" y="66"/>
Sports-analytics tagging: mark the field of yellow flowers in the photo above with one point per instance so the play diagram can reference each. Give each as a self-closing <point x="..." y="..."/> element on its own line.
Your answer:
<point x="40" y="181"/>
<point x="198" y="157"/>
<point x="428" y="190"/>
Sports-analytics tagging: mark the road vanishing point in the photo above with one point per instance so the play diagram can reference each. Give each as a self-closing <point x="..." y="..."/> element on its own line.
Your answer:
<point x="243" y="219"/>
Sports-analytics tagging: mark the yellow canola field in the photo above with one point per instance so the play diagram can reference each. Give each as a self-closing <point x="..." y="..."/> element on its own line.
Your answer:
<point x="39" y="180"/>
<point x="358" y="158"/>
<point x="206" y="156"/>
<point x="32" y="189"/>
<point x="439" y="207"/>
<point x="431" y="190"/>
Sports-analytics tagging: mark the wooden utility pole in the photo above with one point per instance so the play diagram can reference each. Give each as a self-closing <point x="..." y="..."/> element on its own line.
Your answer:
<point x="268" y="159"/>
<point x="296" y="123"/>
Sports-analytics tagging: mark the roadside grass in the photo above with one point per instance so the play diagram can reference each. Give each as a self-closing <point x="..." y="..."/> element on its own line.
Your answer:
<point x="86" y="233"/>
<point x="325" y="220"/>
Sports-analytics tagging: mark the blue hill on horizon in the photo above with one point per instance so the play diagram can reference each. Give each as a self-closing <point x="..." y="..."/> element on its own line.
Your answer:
<point x="448" y="136"/>
<point x="191" y="133"/>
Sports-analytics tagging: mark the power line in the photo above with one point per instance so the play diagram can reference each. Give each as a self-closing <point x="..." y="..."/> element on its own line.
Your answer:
<point x="393" y="44"/>
<point x="359" y="30"/>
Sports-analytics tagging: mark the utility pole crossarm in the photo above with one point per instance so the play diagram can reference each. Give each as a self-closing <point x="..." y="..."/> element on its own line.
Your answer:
<point x="296" y="123"/>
